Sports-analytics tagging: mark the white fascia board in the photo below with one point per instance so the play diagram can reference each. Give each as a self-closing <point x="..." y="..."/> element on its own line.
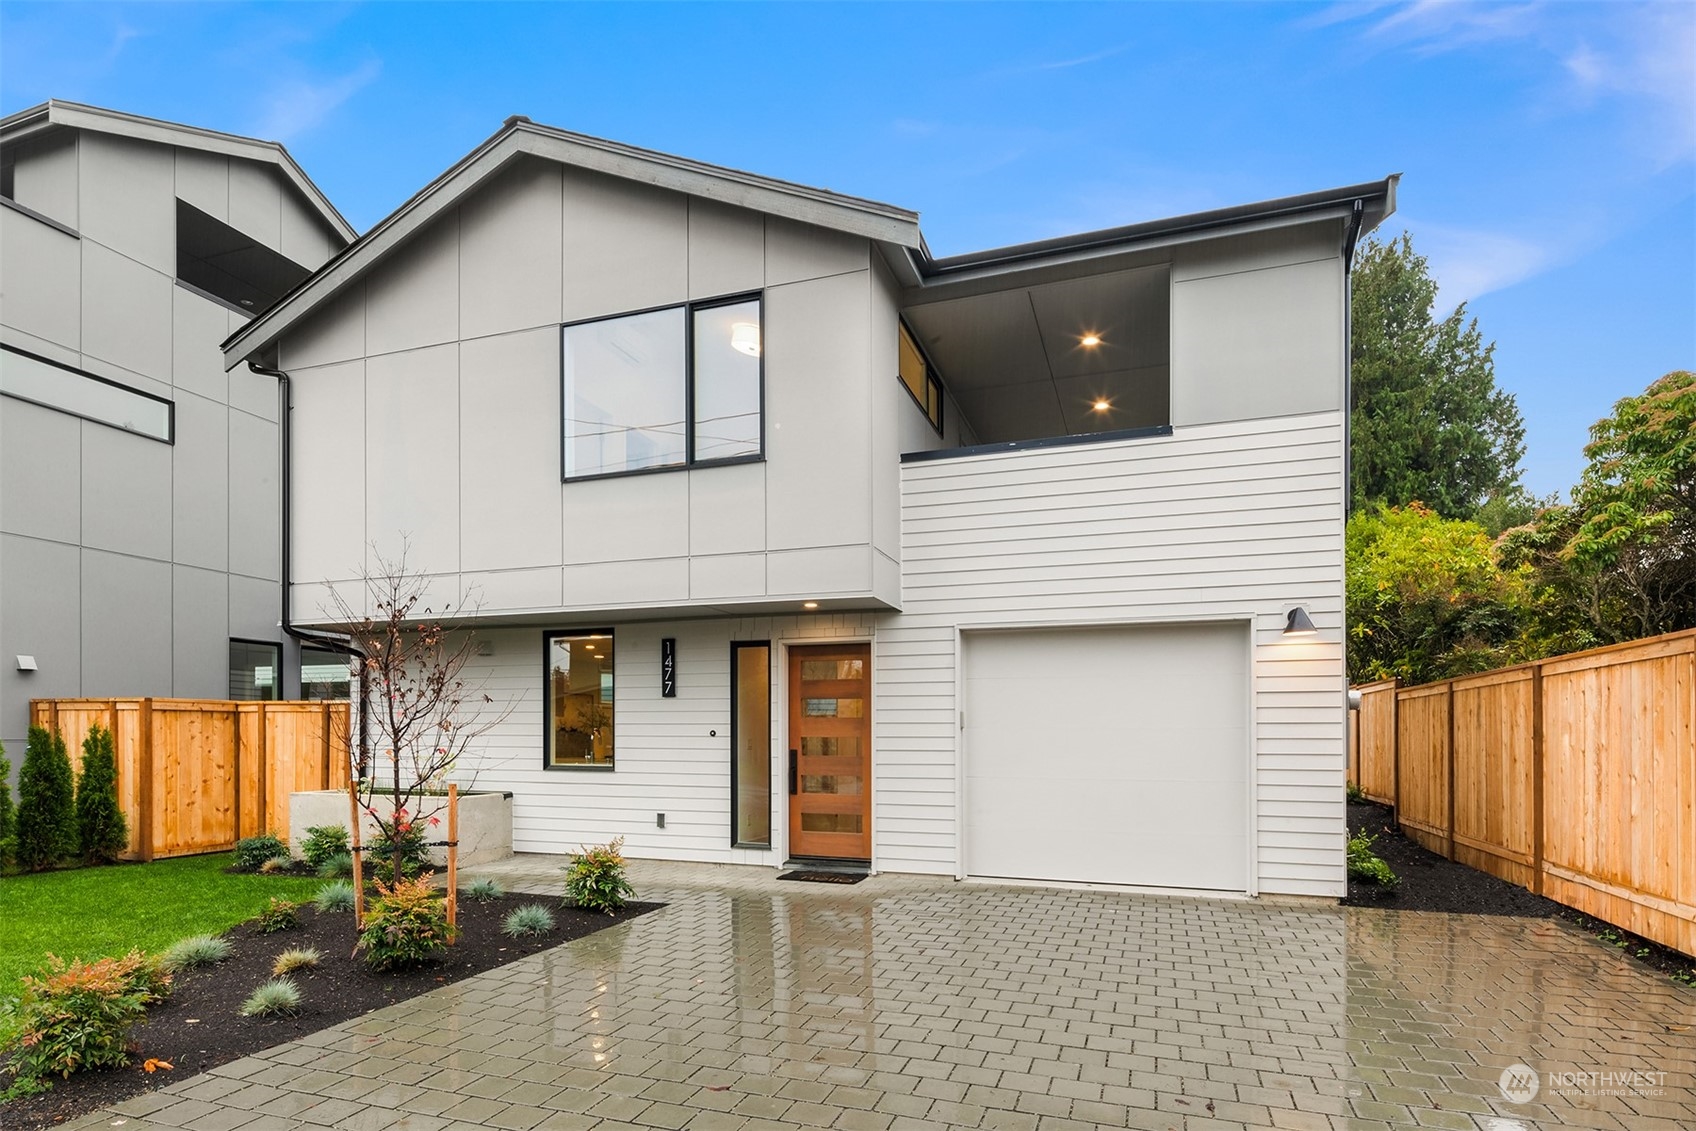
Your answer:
<point x="73" y="115"/>
<point x="880" y="223"/>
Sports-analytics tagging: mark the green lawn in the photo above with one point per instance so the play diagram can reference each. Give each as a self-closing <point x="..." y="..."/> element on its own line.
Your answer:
<point x="95" y="912"/>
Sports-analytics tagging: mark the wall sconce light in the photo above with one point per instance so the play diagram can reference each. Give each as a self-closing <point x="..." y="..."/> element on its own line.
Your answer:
<point x="1298" y="623"/>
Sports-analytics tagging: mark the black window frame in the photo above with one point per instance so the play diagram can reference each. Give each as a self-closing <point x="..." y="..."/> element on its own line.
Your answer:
<point x="735" y="714"/>
<point x="169" y="440"/>
<point x="933" y="376"/>
<point x="276" y="647"/>
<point x="548" y="638"/>
<point x="689" y="463"/>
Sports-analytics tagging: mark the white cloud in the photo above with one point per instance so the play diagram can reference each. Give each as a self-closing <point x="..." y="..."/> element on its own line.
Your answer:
<point x="1470" y="262"/>
<point x="297" y="105"/>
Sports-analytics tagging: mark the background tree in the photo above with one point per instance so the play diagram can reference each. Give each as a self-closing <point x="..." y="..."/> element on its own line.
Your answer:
<point x="1427" y="422"/>
<point x="47" y="831"/>
<point x="102" y="831"/>
<point x="423" y="715"/>
<point x="1426" y="598"/>
<point x="1620" y="562"/>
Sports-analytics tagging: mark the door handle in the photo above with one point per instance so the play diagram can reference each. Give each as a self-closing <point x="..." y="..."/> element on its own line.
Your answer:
<point x="794" y="774"/>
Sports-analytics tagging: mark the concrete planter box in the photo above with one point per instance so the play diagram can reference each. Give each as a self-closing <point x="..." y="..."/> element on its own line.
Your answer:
<point x="485" y="822"/>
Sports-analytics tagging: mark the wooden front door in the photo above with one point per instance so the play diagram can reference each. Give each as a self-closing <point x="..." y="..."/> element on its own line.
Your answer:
<point x="830" y="751"/>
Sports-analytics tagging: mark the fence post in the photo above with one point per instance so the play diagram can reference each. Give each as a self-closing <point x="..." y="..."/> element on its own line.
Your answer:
<point x="327" y="745"/>
<point x="1449" y="770"/>
<point x="1537" y="778"/>
<point x="144" y="770"/>
<point x="262" y="772"/>
<point x="1396" y="747"/>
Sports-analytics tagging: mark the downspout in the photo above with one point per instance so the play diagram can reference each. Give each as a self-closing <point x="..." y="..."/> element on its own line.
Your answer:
<point x="327" y="641"/>
<point x="1348" y="352"/>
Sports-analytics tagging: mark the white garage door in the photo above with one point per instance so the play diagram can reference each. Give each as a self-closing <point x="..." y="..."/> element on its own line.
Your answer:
<point x="1109" y="755"/>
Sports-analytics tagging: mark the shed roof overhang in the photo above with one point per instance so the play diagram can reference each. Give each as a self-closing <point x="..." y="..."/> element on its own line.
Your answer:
<point x="894" y="229"/>
<point x="56" y="114"/>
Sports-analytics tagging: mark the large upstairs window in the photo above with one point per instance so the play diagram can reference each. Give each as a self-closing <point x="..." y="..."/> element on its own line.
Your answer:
<point x="676" y="387"/>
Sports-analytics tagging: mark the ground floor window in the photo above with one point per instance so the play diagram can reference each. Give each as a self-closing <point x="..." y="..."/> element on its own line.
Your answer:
<point x="750" y="743"/>
<point x="324" y="675"/>
<point x="579" y="672"/>
<point x="255" y="668"/>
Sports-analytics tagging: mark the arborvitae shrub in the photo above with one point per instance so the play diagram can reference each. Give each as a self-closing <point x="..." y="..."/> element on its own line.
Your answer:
<point x="8" y="813"/>
<point x="47" y="830"/>
<point x="102" y="831"/>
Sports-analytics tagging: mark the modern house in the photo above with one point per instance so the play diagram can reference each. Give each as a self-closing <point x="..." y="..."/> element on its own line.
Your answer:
<point x="139" y="482"/>
<point x="792" y="541"/>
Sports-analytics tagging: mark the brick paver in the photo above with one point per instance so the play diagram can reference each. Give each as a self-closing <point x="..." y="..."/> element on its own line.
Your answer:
<point x="905" y="1004"/>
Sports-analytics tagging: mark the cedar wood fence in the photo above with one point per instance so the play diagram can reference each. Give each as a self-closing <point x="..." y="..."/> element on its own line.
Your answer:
<point x="1573" y="776"/>
<point x="197" y="775"/>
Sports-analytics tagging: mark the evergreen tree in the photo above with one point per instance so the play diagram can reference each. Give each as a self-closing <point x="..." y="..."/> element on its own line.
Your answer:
<point x="101" y="830"/>
<point x="47" y="831"/>
<point x="1427" y="422"/>
<point x="8" y="817"/>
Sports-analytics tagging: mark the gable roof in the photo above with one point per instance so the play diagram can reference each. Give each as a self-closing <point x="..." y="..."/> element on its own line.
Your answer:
<point x="896" y="228"/>
<point x="73" y="115"/>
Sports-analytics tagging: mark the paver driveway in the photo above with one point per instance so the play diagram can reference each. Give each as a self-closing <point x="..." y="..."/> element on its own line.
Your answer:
<point x="753" y="1005"/>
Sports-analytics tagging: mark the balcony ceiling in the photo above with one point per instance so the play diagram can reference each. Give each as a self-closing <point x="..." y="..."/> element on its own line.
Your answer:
<point x="1014" y="361"/>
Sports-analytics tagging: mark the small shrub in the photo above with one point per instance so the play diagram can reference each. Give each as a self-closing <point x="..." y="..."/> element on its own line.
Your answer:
<point x="77" y="1015"/>
<point x="334" y="896"/>
<point x="296" y="958"/>
<point x="197" y="950"/>
<point x="337" y="866"/>
<point x="1367" y="865"/>
<point x="47" y="830"/>
<point x="407" y="925"/>
<point x="275" y="866"/>
<point x="1355" y="795"/>
<point x="594" y="879"/>
<point x="280" y="915"/>
<point x="323" y="842"/>
<point x="277" y="998"/>
<point x="253" y="851"/>
<point x="8" y="813"/>
<point x="484" y="890"/>
<point x="528" y="921"/>
<point x="102" y="832"/>
<point x="380" y="853"/>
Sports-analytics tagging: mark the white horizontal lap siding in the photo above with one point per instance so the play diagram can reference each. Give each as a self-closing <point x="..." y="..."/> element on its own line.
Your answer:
<point x="666" y="758"/>
<point x="1214" y="521"/>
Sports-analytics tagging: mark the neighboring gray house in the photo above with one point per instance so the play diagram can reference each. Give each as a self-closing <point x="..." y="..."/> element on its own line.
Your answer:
<point x="139" y="483"/>
<point x="793" y="541"/>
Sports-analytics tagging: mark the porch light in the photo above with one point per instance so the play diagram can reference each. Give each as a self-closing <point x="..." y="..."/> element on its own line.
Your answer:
<point x="1090" y="341"/>
<point x="745" y="338"/>
<point x="809" y="604"/>
<point x="1298" y="623"/>
<point x="1102" y="404"/>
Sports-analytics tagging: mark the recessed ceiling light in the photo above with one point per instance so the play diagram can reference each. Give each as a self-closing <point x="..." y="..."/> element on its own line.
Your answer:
<point x="745" y="338"/>
<point x="809" y="604"/>
<point x="1102" y="404"/>
<point x="1090" y="341"/>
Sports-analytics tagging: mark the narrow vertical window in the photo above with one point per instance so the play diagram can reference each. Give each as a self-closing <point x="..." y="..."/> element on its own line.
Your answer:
<point x="726" y="374"/>
<point x="750" y="744"/>
<point x="920" y="379"/>
<point x="255" y="670"/>
<point x="579" y="721"/>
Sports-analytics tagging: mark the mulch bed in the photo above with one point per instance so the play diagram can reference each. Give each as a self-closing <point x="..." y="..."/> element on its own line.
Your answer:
<point x="199" y="1027"/>
<point x="1430" y="882"/>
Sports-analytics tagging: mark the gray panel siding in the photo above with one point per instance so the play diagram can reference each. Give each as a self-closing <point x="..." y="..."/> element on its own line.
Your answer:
<point x="457" y="335"/>
<point x="1216" y="521"/>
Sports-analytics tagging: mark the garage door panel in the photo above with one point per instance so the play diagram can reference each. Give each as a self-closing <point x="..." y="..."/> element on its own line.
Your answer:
<point x="1109" y="755"/>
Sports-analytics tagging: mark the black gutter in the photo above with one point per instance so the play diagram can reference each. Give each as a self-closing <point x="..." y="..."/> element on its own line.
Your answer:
<point x="329" y="642"/>
<point x="1353" y="195"/>
<point x="1354" y="235"/>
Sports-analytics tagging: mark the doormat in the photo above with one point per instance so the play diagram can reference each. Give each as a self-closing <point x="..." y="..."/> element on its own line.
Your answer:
<point x="824" y="877"/>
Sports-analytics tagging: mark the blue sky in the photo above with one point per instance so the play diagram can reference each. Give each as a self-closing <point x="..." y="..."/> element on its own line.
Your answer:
<point x="1549" y="150"/>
